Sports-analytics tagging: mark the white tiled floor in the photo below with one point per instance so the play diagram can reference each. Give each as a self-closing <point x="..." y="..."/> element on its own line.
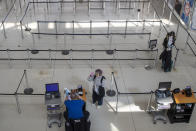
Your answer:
<point x="130" y="75"/>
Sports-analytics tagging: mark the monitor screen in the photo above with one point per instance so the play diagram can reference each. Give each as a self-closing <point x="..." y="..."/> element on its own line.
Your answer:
<point x="53" y="87"/>
<point x="166" y="85"/>
<point x="152" y="43"/>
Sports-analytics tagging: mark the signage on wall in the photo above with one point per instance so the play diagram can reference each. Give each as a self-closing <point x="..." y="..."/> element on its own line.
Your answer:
<point x="186" y="9"/>
<point x="193" y="24"/>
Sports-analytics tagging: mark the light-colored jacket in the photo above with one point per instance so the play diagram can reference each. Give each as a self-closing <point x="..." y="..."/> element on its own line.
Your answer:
<point x="97" y="83"/>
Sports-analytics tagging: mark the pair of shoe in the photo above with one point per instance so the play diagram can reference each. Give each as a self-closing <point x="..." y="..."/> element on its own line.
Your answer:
<point x="97" y="106"/>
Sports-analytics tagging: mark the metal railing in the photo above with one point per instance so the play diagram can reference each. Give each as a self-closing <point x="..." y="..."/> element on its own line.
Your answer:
<point x="16" y="93"/>
<point x="25" y="78"/>
<point x="108" y="35"/>
<point x="90" y="28"/>
<point x="74" y="2"/>
<point x="69" y="55"/>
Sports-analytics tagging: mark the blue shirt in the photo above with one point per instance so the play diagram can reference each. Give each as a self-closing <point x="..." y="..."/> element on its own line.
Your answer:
<point x="74" y="108"/>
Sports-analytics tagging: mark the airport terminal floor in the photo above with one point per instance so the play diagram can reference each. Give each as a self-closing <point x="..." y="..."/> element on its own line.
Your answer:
<point x="64" y="41"/>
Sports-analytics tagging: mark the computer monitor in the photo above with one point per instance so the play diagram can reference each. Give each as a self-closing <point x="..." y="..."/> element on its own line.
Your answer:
<point x="152" y="44"/>
<point x="52" y="87"/>
<point x="165" y="85"/>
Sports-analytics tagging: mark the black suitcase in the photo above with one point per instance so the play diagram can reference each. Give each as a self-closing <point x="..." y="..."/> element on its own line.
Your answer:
<point x="87" y="125"/>
<point x="68" y="126"/>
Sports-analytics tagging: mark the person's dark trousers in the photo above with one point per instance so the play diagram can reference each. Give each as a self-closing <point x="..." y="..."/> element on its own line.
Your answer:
<point x="100" y="101"/>
<point x="97" y="98"/>
<point x="168" y="62"/>
<point x="94" y="97"/>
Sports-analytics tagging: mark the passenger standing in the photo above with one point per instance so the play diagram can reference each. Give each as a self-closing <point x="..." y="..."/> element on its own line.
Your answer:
<point x="98" y="87"/>
<point x="166" y="55"/>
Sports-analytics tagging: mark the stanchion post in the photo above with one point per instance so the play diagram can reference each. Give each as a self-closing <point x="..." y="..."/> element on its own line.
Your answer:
<point x="116" y="1"/>
<point x="73" y="29"/>
<point x="50" y="58"/>
<point x="142" y="7"/>
<point x="160" y="26"/>
<point x="26" y="79"/>
<point x="138" y="14"/>
<point x="89" y="7"/>
<point x="61" y="4"/>
<point x="126" y="28"/>
<point x="119" y="6"/>
<point x="149" y="103"/>
<point x="20" y="4"/>
<point x="56" y="30"/>
<point x="71" y="57"/>
<point x="116" y="92"/>
<point x="38" y="29"/>
<point x="9" y="58"/>
<point x="92" y="58"/>
<point x="90" y="28"/>
<point x="108" y="29"/>
<point x="163" y="9"/>
<point x="21" y="30"/>
<point x="114" y="58"/>
<point x="149" y="6"/>
<point x="154" y="17"/>
<point x="103" y="4"/>
<point x="34" y="5"/>
<point x="4" y="30"/>
<point x="29" y="59"/>
<point x="47" y="5"/>
<point x="143" y="24"/>
<point x="74" y="6"/>
<point x="33" y="41"/>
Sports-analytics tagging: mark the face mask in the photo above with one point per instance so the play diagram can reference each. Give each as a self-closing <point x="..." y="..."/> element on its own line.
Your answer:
<point x="170" y="41"/>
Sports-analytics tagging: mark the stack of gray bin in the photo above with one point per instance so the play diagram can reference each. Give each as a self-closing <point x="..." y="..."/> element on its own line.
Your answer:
<point x="53" y="110"/>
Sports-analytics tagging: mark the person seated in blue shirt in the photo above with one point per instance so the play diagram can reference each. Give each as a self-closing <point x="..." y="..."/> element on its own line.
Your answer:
<point x="74" y="107"/>
<point x="74" y="112"/>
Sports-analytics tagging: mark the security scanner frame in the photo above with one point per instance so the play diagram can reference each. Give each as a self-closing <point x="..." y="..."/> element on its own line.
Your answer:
<point x="53" y="103"/>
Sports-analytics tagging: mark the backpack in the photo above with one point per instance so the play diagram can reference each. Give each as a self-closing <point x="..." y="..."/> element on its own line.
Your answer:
<point x="101" y="89"/>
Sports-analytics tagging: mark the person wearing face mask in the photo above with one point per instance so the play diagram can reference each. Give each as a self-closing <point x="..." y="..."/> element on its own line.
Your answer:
<point x="98" y="87"/>
<point x="166" y="55"/>
<point x="169" y="41"/>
